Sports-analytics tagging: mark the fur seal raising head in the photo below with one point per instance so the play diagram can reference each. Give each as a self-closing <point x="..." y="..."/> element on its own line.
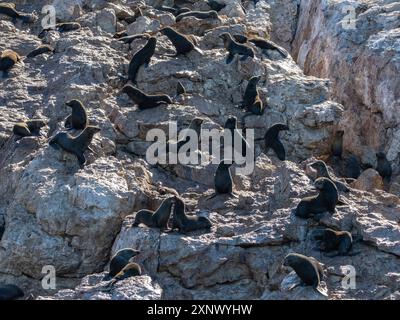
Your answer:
<point x="145" y="101"/>
<point x="322" y="171"/>
<point x="234" y="48"/>
<point x="155" y="219"/>
<point x="326" y="200"/>
<point x="78" y="119"/>
<point x="120" y="260"/>
<point x="61" y="27"/>
<point x="75" y="145"/>
<point x="141" y="57"/>
<point x="272" y="140"/>
<point x="181" y="42"/>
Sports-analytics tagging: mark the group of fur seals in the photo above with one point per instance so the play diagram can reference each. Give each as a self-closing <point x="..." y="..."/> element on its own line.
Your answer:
<point x="29" y="127"/>
<point x="141" y="57"/>
<point x="10" y="292"/>
<point x="145" y="101"/>
<point x="8" y="59"/>
<point x="175" y="11"/>
<point x="185" y="223"/>
<point x="251" y="99"/>
<point x="9" y="10"/>
<point x="325" y="201"/>
<point x="235" y="48"/>
<point x="322" y="171"/>
<point x="272" y="141"/>
<point x="155" y="219"/>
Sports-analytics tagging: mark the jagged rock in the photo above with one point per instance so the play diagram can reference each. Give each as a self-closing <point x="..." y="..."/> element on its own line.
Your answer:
<point x="369" y="180"/>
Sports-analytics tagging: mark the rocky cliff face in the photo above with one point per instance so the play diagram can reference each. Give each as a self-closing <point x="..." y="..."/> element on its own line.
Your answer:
<point x="54" y="213"/>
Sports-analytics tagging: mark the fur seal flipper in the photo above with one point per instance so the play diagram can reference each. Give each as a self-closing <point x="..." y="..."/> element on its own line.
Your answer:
<point x="187" y="223"/>
<point x="156" y="219"/>
<point x="10" y="292"/>
<point x="78" y="119"/>
<point x="272" y="140"/>
<point x="75" y="145"/>
<point x="308" y="269"/>
<point x="326" y="200"/>
<point x="141" y="57"/>
<point x="234" y="48"/>
<point x="145" y="101"/>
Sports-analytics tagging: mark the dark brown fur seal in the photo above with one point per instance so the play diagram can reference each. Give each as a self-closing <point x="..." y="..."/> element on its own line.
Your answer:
<point x="272" y="140"/>
<point x="40" y="50"/>
<point x="129" y="39"/>
<point x="322" y="171"/>
<point x="155" y="219"/>
<point x="198" y="14"/>
<point x="231" y="125"/>
<point x="10" y="292"/>
<point x="268" y="45"/>
<point x="9" y="10"/>
<point x="223" y="182"/>
<point x="308" y="269"/>
<point x="337" y="145"/>
<point x="141" y="57"/>
<point x="8" y="59"/>
<point x="61" y="27"/>
<point x="329" y="240"/>
<point x="75" y="145"/>
<point x="29" y="127"/>
<point x="234" y="48"/>
<point x="326" y="200"/>
<point x="187" y="223"/>
<point x="145" y="101"/>
<point x="251" y="100"/>
<point x="383" y="167"/>
<point x="181" y="42"/>
<point x="78" y="118"/>
<point x="120" y="260"/>
<point x="174" y="10"/>
<point x="215" y="5"/>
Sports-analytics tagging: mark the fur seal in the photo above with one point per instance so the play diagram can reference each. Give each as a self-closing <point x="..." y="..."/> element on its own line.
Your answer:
<point x="234" y="48"/>
<point x="142" y="56"/>
<point x="195" y="125"/>
<point x="216" y="6"/>
<point x="155" y="219"/>
<point x="329" y="240"/>
<point x="145" y="101"/>
<point x="132" y="269"/>
<point x="322" y="171"/>
<point x="8" y="59"/>
<point x="231" y="125"/>
<point x="308" y="269"/>
<point x="351" y="168"/>
<point x="272" y="140"/>
<point x="187" y="223"/>
<point x="268" y="45"/>
<point x="181" y="42"/>
<point x="251" y="100"/>
<point x="78" y="119"/>
<point x="180" y="89"/>
<point x="120" y="34"/>
<point x="198" y="14"/>
<point x="120" y="260"/>
<point x="29" y="127"/>
<point x="326" y="200"/>
<point x="9" y="10"/>
<point x="61" y="27"/>
<point x="129" y="39"/>
<point x="383" y="167"/>
<point x="40" y="50"/>
<point x="75" y="145"/>
<point x="223" y="183"/>
<point x="337" y="145"/>
<point x="10" y="292"/>
<point x="175" y="11"/>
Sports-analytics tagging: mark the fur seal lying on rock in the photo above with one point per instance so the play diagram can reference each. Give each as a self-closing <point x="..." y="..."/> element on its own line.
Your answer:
<point x="78" y="118"/>
<point x="9" y="10"/>
<point x="155" y="219"/>
<point x="145" y="101"/>
<point x="181" y="42"/>
<point x="326" y="200"/>
<point x="29" y="127"/>
<point x="75" y="145"/>
<point x="198" y="14"/>
<point x="187" y="223"/>
<point x="8" y="59"/>
<point x="322" y="171"/>
<point x="40" y="50"/>
<point x="234" y="48"/>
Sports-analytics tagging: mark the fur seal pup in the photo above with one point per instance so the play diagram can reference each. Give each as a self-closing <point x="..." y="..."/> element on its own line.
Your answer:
<point x="78" y="118"/>
<point x="216" y="6"/>
<point x="187" y="223"/>
<point x="223" y="183"/>
<point x="145" y="101"/>
<point x="383" y="167"/>
<point x="75" y="145"/>
<point x="181" y="42"/>
<point x="29" y="127"/>
<point x="329" y="240"/>
<point x="9" y="10"/>
<point x="326" y="200"/>
<point x="10" y="292"/>
<point x="40" y="50"/>
<point x="337" y="145"/>
<point x="251" y="99"/>
<point x="231" y="125"/>
<point x="8" y="59"/>
<point x="120" y="260"/>
<point x="272" y="140"/>
<point x="180" y="89"/>
<point x="141" y="57"/>
<point x="61" y="27"/>
<point x="198" y="14"/>
<point x="322" y="171"/>
<point x="155" y="219"/>
<point x="264" y="44"/>
<point x="234" y="48"/>
<point x="129" y="39"/>
<point x="308" y="269"/>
